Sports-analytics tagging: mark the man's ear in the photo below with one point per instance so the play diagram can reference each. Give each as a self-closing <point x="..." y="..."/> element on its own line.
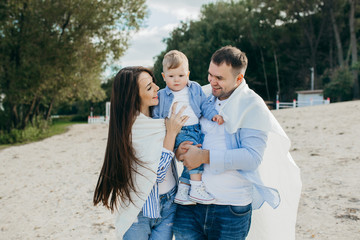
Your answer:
<point x="239" y="78"/>
<point x="163" y="75"/>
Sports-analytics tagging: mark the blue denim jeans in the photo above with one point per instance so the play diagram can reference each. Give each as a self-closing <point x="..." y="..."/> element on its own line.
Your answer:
<point x="189" y="133"/>
<point x="217" y="222"/>
<point x="155" y="228"/>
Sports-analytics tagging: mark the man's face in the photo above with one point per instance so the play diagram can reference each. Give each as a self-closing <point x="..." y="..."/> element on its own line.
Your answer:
<point x="222" y="80"/>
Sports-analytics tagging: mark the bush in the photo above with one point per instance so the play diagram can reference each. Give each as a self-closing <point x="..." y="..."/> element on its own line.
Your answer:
<point x="80" y="118"/>
<point x="28" y="134"/>
<point x="340" y="86"/>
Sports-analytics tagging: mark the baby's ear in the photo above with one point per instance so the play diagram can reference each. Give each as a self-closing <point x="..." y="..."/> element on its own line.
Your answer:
<point x="188" y="74"/>
<point x="163" y="75"/>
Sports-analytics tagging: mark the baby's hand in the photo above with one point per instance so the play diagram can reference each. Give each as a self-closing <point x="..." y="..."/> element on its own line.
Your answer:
<point x="219" y="119"/>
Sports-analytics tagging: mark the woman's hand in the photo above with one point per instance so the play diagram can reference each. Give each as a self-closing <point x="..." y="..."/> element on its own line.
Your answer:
<point x="173" y="126"/>
<point x="176" y="121"/>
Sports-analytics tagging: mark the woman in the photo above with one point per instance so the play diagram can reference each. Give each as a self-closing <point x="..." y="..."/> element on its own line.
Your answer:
<point x="138" y="177"/>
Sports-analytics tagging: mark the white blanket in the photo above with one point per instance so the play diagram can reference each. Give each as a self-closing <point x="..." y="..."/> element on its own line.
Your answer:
<point x="147" y="139"/>
<point x="245" y="109"/>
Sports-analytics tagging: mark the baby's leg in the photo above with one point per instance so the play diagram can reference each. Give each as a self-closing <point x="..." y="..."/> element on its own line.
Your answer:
<point x="195" y="177"/>
<point x="198" y="192"/>
<point x="196" y="173"/>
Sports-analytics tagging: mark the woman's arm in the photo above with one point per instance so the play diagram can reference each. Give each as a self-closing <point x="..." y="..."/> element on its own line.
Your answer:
<point x="165" y="161"/>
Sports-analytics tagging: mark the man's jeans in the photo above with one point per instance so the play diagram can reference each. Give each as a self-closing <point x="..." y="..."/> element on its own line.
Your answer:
<point x="217" y="222"/>
<point x="155" y="228"/>
<point x="189" y="133"/>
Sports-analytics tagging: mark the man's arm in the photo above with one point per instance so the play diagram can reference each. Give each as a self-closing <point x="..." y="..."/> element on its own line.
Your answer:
<point x="247" y="158"/>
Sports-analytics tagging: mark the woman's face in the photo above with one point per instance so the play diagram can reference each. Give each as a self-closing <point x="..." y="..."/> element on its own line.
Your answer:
<point x="148" y="92"/>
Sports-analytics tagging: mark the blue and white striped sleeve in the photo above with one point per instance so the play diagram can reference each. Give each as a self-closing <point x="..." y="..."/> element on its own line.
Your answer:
<point x="165" y="160"/>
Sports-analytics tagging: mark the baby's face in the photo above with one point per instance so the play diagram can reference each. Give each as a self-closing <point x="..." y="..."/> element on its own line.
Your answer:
<point x="176" y="78"/>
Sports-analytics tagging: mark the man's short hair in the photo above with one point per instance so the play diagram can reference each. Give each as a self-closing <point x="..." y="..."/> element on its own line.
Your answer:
<point x="173" y="59"/>
<point x="231" y="56"/>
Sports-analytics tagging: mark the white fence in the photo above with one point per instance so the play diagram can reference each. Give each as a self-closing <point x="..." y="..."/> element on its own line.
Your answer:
<point x="100" y="119"/>
<point x="97" y="119"/>
<point x="294" y="104"/>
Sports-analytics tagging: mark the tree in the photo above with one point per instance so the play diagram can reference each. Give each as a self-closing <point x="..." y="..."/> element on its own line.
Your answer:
<point x="253" y="27"/>
<point x="54" y="51"/>
<point x="353" y="44"/>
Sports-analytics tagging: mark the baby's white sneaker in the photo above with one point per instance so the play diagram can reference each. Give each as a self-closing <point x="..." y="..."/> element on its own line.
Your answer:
<point x="199" y="194"/>
<point x="182" y="195"/>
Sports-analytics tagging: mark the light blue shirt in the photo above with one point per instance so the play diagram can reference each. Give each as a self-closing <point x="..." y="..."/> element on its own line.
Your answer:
<point x="245" y="150"/>
<point x="197" y="98"/>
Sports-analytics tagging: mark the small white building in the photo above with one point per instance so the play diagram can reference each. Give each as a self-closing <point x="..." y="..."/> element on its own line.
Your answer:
<point x="310" y="97"/>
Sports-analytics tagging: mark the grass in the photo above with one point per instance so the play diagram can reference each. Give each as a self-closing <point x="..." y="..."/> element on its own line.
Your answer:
<point x="58" y="126"/>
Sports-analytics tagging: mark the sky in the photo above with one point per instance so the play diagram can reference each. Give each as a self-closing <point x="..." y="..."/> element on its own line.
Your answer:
<point x="164" y="16"/>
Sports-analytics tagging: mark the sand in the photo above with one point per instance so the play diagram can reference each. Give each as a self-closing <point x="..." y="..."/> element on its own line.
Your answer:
<point x="47" y="187"/>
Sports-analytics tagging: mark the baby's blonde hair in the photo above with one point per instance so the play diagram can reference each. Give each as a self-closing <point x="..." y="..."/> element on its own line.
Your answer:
<point x="173" y="59"/>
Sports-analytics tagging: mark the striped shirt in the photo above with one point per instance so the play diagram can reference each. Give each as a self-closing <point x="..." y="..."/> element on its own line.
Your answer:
<point x="151" y="208"/>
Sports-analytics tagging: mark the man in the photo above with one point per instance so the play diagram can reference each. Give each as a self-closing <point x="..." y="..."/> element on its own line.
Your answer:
<point x="236" y="156"/>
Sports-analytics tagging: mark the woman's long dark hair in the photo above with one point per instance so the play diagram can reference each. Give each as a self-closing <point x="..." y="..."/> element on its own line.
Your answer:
<point x="116" y="180"/>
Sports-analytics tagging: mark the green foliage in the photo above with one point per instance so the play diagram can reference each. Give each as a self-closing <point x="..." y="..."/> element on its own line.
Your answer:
<point x="299" y="33"/>
<point x="37" y="131"/>
<point x="356" y="66"/>
<point x="53" y="52"/>
<point x="340" y="86"/>
<point x="80" y="110"/>
<point x="28" y="134"/>
<point x="248" y="25"/>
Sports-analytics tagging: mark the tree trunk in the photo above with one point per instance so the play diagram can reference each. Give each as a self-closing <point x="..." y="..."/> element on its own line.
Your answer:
<point x="15" y="116"/>
<point x="314" y="44"/>
<point x="26" y="118"/>
<point x="277" y="78"/>
<point x="353" y="49"/>
<point x="331" y="55"/>
<point x="265" y="75"/>
<point x="339" y="48"/>
<point x="49" y="110"/>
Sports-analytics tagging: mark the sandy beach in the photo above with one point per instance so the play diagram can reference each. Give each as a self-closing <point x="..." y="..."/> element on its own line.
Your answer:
<point x="47" y="187"/>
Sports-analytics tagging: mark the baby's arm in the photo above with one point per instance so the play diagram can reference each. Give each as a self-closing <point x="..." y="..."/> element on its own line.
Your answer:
<point x="219" y="119"/>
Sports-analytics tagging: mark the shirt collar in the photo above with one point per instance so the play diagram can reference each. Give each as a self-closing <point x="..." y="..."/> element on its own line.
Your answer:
<point x="168" y="90"/>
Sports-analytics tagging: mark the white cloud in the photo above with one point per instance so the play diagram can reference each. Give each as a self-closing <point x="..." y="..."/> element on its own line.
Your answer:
<point x="164" y="17"/>
<point x="179" y="9"/>
<point x="154" y="31"/>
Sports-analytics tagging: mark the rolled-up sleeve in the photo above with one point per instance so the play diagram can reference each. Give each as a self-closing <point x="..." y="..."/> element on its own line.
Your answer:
<point x="165" y="161"/>
<point x="247" y="157"/>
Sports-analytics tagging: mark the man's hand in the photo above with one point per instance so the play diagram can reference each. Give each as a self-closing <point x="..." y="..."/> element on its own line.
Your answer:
<point x="194" y="157"/>
<point x="182" y="149"/>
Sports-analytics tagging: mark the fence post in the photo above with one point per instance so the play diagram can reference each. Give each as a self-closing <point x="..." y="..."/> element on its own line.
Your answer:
<point x="294" y="103"/>
<point x="327" y="101"/>
<point x="277" y="105"/>
<point x="311" y="101"/>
